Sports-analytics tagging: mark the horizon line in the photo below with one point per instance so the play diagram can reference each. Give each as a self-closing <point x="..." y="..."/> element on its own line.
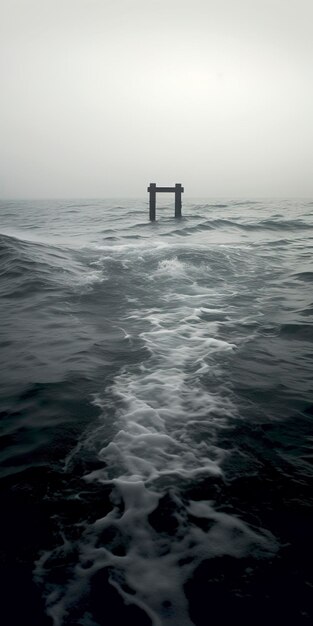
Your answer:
<point x="141" y="197"/>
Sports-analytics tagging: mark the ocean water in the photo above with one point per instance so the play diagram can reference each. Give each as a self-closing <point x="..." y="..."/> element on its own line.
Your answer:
<point x="156" y="413"/>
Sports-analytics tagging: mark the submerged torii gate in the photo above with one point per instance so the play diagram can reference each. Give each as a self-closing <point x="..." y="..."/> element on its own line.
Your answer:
<point x="153" y="189"/>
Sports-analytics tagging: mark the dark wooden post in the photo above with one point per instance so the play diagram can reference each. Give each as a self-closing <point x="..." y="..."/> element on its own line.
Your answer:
<point x="178" y="192"/>
<point x="152" y="200"/>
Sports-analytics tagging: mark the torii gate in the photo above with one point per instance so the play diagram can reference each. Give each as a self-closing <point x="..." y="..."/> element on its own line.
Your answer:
<point x="178" y="190"/>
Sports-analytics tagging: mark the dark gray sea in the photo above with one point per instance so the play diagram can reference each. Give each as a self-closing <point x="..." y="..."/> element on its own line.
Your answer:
<point x="156" y="413"/>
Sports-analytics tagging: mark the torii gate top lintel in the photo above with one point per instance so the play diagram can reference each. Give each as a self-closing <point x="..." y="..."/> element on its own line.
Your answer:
<point x="153" y="189"/>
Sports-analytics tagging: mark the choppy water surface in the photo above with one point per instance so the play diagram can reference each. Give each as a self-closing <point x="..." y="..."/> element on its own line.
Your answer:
<point x="156" y="413"/>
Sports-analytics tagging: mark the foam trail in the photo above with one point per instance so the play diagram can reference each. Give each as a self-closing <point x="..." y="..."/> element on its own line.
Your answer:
<point x="167" y="424"/>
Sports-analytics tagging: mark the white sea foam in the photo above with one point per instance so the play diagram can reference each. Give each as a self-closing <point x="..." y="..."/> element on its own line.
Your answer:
<point x="172" y="267"/>
<point x="166" y="436"/>
<point x="131" y="248"/>
<point x="90" y="278"/>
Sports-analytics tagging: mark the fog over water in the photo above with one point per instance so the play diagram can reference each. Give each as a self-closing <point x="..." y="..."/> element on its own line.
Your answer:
<point x="100" y="97"/>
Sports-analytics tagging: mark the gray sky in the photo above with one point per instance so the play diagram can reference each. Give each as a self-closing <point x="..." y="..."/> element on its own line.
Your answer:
<point x="100" y="97"/>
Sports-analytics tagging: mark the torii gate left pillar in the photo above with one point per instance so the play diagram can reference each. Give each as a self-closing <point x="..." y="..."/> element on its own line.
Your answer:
<point x="153" y="189"/>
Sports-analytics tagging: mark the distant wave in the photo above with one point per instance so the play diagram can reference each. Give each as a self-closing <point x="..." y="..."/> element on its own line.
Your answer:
<point x="224" y="225"/>
<point x="268" y="224"/>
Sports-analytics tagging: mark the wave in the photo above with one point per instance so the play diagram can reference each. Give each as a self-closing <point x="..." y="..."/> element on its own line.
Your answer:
<point x="24" y="266"/>
<point x="267" y="224"/>
<point x="28" y="267"/>
<point x="187" y="227"/>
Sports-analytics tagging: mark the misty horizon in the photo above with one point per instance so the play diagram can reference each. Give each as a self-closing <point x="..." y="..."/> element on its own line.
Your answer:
<point x="145" y="198"/>
<point x="99" y="97"/>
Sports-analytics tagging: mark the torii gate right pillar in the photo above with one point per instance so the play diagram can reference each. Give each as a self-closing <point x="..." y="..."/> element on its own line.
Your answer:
<point x="178" y="202"/>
